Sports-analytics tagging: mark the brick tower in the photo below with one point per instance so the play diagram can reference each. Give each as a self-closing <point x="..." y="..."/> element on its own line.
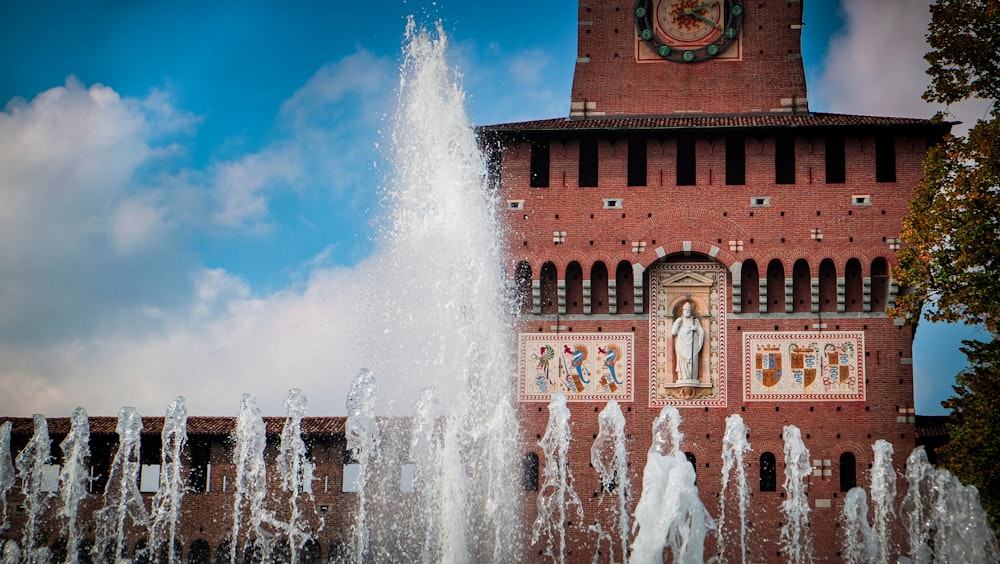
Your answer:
<point x="691" y="188"/>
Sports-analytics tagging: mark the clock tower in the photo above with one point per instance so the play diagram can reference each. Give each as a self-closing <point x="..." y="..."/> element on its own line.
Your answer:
<point x="682" y="57"/>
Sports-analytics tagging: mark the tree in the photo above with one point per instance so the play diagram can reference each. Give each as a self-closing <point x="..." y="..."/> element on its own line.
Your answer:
<point x="951" y="260"/>
<point x="974" y="447"/>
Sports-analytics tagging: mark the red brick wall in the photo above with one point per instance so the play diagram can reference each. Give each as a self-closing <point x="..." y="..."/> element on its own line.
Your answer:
<point x="608" y="76"/>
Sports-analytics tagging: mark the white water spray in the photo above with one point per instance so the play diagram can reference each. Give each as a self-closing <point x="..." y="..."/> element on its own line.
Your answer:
<point x="734" y="448"/>
<point x="122" y="500"/>
<point x="296" y="472"/>
<point x="363" y="439"/>
<point x="31" y="463"/>
<point x="883" y="492"/>
<point x="74" y="479"/>
<point x="796" y="540"/>
<point x="557" y="500"/>
<point x="859" y="545"/>
<point x="7" y="475"/>
<point x="943" y="518"/>
<point x="669" y="513"/>
<point x="167" y="501"/>
<point x="251" y="477"/>
<point x="608" y="455"/>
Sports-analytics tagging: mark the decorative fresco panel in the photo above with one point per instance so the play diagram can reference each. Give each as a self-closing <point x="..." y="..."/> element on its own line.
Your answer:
<point x="687" y="333"/>
<point x="583" y="366"/>
<point x="804" y="366"/>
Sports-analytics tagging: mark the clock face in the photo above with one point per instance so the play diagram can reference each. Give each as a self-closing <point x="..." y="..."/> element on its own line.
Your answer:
<point x="688" y="30"/>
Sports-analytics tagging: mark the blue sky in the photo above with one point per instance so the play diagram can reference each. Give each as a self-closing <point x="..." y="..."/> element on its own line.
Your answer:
<point x="188" y="189"/>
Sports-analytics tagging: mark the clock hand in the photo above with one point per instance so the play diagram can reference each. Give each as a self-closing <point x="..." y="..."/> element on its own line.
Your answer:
<point x="704" y="19"/>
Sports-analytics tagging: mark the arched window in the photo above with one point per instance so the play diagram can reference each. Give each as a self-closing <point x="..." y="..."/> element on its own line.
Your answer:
<point x="775" y="287"/>
<point x="750" y="282"/>
<point x="522" y="281"/>
<point x="801" y="287"/>
<point x="827" y="286"/>
<point x="880" y="284"/>
<point x="854" y="299"/>
<point x="848" y="471"/>
<point x="529" y="472"/>
<point x="599" y="288"/>
<point x="768" y="473"/>
<point x="694" y="464"/>
<point x="549" y="289"/>
<point x="624" y="287"/>
<point x="200" y="552"/>
<point x="574" y="288"/>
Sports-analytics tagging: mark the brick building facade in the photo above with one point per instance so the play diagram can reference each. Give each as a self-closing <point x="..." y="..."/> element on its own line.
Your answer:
<point x="709" y="182"/>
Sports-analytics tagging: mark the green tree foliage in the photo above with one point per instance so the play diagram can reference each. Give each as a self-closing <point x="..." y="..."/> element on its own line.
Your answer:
<point x="973" y="452"/>
<point x="951" y="261"/>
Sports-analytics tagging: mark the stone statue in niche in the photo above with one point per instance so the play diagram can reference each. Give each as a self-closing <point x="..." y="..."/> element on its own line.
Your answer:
<point x="689" y="337"/>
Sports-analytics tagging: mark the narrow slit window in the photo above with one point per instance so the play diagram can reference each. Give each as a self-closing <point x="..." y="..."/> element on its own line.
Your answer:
<point x="588" y="162"/>
<point x="539" y="164"/>
<point x="836" y="161"/>
<point x="885" y="158"/>
<point x="686" y="165"/>
<point x="637" y="161"/>
<point x="736" y="160"/>
<point x="784" y="159"/>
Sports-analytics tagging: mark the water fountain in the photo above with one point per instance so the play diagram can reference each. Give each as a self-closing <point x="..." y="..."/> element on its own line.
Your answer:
<point x="442" y="235"/>
<point x="7" y="475"/>
<point x="734" y="448"/>
<point x="74" y="479"/>
<point x="608" y="456"/>
<point x="558" y="502"/>
<point x="796" y="541"/>
<point x="31" y="464"/>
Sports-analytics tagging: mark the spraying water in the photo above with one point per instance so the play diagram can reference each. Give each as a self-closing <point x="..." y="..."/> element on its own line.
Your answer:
<point x="251" y="476"/>
<point x="669" y="513"/>
<point x="167" y="501"/>
<point x="73" y="479"/>
<point x="859" y="542"/>
<point x="557" y="500"/>
<point x="363" y="439"/>
<point x="443" y="319"/>
<point x="7" y="475"/>
<point x="122" y="500"/>
<point x="943" y="518"/>
<point x="608" y="456"/>
<point x="734" y="448"/>
<point x="796" y="541"/>
<point x="883" y="490"/>
<point x="296" y="471"/>
<point x="31" y="463"/>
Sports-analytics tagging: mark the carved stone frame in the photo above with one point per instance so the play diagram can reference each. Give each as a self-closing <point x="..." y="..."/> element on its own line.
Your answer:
<point x="703" y="284"/>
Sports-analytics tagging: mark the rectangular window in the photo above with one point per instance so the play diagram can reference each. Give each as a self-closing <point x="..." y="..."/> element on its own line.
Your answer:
<point x="736" y="160"/>
<point x="201" y="456"/>
<point x="588" y="162"/>
<point x="539" y="164"/>
<point x="885" y="158"/>
<point x="637" y="161"/>
<point x="784" y="159"/>
<point x="836" y="162"/>
<point x="686" y="165"/>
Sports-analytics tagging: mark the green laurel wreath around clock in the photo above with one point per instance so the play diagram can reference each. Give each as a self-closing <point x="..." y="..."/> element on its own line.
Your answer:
<point x="731" y="14"/>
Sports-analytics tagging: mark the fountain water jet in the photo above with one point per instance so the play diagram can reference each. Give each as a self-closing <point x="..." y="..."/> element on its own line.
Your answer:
<point x="7" y="475"/>
<point x="796" y="541"/>
<point x="883" y="493"/>
<point x="557" y="500"/>
<point x="31" y="464"/>
<point x="251" y="476"/>
<point x="296" y="472"/>
<point x="670" y="513"/>
<point x="859" y="542"/>
<point x="608" y="456"/>
<point x="167" y="501"/>
<point x="73" y="479"/>
<point x="734" y="448"/>
<point x="122" y="500"/>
